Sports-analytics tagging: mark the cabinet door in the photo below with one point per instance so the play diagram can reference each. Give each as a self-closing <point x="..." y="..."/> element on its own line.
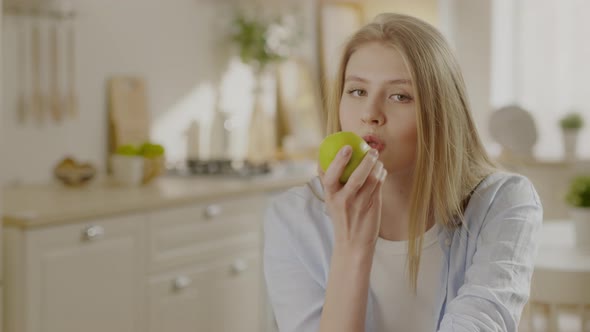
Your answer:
<point x="222" y="295"/>
<point x="86" y="277"/>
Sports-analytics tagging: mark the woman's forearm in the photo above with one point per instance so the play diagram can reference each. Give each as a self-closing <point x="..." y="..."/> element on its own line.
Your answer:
<point x="347" y="292"/>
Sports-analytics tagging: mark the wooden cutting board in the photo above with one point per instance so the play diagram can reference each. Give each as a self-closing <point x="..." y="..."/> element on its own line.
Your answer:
<point x="129" y="120"/>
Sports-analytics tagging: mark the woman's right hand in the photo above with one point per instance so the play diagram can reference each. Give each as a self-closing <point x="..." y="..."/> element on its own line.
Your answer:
<point x="355" y="207"/>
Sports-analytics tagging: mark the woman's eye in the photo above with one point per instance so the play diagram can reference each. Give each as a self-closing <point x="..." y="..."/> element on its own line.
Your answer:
<point x="401" y="98"/>
<point x="357" y="92"/>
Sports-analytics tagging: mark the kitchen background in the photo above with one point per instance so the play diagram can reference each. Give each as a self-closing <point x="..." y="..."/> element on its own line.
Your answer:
<point x="181" y="51"/>
<point x="199" y="96"/>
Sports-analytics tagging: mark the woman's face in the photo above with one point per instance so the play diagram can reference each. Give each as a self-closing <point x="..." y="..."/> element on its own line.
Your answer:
<point x="378" y="104"/>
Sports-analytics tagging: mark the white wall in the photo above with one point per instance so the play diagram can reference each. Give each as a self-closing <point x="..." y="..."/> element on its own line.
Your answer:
<point x="175" y="44"/>
<point x="467" y="26"/>
<point x="427" y="10"/>
<point x="170" y="45"/>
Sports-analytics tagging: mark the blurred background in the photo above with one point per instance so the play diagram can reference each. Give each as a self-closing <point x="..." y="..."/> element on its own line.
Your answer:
<point x="128" y="127"/>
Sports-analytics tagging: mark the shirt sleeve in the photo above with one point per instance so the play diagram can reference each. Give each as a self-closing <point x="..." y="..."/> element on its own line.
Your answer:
<point x="497" y="284"/>
<point x="295" y="297"/>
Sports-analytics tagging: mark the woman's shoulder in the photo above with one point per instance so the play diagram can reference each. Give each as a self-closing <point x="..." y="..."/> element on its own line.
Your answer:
<point x="298" y="208"/>
<point x="503" y="184"/>
<point x="501" y="191"/>
<point x="297" y="218"/>
<point x="309" y="195"/>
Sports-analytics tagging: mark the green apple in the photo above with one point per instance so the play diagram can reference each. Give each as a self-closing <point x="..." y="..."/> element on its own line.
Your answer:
<point x="334" y="142"/>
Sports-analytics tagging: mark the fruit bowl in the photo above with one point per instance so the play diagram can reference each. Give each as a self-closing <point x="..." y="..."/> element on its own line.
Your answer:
<point x="73" y="174"/>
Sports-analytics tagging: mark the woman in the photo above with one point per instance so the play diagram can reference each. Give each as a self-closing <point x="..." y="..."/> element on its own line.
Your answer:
<point x="428" y="234"/>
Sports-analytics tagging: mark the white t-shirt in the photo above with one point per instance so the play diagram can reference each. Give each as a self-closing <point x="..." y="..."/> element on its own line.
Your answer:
<point x="396" y="307"/>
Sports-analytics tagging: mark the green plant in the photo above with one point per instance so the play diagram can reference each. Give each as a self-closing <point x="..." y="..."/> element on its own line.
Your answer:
<point x="146" y="150"/>
<point x="151" y="150"/>
<point x="579" y="192"/>
<point x="127" y="150"/>
<point x="261" y="41"/>
<point x="571" y="121"/>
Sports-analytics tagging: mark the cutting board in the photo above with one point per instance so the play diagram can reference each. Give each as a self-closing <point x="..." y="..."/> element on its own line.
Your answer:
<point x="129" y="120"/>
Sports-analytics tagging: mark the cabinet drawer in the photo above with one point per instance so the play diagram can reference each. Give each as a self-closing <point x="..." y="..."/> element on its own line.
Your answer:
<point x="91" y="232"/>
<point x="221" y="295"/>
<point x="181" y="236"/>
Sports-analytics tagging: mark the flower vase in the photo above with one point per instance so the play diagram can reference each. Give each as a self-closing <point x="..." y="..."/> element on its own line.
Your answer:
<point x="581" y="220"/>
<point x="570" y="139"/>
<point x="260" y="138"/>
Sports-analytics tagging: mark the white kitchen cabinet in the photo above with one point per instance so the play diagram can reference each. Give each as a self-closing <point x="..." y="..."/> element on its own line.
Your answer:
<point x="215" y="247"/>
<point x="193" y="267"/>
<point x="78" y="277"/>
<point x="184" y="235"/>
<point x="220" y="295"/>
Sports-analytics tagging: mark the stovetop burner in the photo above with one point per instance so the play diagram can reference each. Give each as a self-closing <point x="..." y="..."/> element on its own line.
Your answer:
<point x="221" y="167"/>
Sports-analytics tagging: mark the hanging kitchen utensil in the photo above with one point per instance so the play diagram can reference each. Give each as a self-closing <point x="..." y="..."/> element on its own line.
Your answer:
<point x="37" y="98"/>
<point x="71" y="96"/>
<point x="21" y="39"/>
<point x="55" y="104"/>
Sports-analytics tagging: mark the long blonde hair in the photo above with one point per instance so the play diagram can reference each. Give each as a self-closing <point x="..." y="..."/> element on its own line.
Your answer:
<point x="451" y="159"/>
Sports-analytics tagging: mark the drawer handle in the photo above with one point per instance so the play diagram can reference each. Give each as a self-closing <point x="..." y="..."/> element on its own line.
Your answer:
<point x="182" y="282"/>
<point x="94" y="232"/>
<point x="213" y="211"/>
<point x="239" y="266"/>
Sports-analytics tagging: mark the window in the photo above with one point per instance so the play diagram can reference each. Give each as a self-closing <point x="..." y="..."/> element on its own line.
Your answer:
<point x="541" y="61"/>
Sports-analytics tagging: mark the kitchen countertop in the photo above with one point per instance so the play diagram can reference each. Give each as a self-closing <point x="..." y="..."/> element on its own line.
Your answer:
<point x="29" y="206"/>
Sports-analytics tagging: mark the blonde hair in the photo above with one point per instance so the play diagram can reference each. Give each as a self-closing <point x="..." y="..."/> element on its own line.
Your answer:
<point x="450" y="156"/>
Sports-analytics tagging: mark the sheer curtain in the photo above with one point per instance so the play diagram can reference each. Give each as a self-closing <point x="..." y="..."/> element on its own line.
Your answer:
<point x="541" y="61"/>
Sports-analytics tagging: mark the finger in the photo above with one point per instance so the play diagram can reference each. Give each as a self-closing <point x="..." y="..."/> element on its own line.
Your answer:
<point x="332" y="176"/>
<point x="380" y="180"/>
<point x="360" y="174"/>
<point x="319" y="170"/>
<point x="372" y="180"/>
<point x="376" y="196"/>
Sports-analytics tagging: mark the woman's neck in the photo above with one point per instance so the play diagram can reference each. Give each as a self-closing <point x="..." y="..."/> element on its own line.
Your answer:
<point x="395" y="210"/>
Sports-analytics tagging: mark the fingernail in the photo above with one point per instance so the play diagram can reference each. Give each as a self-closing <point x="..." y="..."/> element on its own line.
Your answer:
<point x="374" y="152"/>
<point x="345" y="151"/>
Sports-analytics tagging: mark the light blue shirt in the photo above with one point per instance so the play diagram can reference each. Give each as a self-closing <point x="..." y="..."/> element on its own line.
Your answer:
<point x="486" y="271"/>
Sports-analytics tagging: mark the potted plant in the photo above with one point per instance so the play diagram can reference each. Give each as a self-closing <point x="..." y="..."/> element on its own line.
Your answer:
<point x="578" y="198"/>
<point x="134" y="165"/>
<point x="570" y="125"/>
<point x="262" y="42"/>
<point x="154" y="162"/>
<point x="127" y="165"/>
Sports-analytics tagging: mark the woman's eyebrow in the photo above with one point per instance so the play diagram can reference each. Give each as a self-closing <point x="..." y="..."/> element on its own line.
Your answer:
<point x="399" y="81"/>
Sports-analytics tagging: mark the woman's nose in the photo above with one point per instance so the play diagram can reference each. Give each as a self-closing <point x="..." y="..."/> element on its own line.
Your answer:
<point x="373" y="115"/>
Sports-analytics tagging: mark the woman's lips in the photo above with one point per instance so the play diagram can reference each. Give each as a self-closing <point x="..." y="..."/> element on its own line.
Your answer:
<point x="374" y="142"/>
